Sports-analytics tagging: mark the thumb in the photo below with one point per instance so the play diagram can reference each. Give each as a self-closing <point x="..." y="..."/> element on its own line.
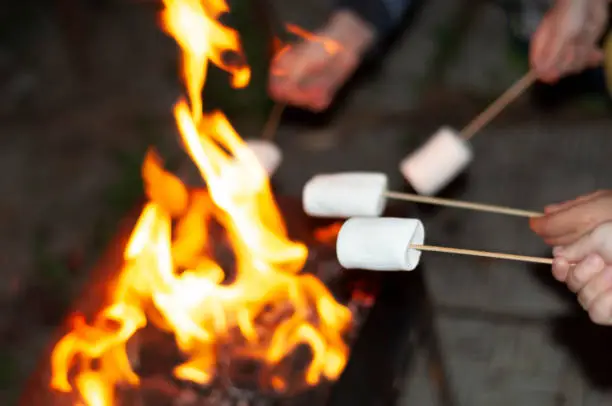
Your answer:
<point x="578" y="250"/>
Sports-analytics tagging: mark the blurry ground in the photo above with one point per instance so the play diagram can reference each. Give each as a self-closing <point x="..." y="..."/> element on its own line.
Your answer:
<point x="82" y="93"/>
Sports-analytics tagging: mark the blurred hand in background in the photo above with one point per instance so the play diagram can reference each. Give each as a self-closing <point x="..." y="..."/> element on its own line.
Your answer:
<point x="566" y="41"/>
<point x="309" y="74"/>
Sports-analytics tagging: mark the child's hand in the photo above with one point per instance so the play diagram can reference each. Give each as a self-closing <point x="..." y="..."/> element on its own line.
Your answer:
<point x="566" y="39"/>
<point x="308" y="74"/>
<point x="566" y="222"/>
<point x="586" y="267"/>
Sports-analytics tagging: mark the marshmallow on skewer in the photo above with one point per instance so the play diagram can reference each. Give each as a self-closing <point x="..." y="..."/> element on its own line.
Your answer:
<point x="251" y="167"/>
<point x="343" y="195"/>
<point x="267" y="153"/>
<point x="435" y="164"/>
<point x="380" y="244"/>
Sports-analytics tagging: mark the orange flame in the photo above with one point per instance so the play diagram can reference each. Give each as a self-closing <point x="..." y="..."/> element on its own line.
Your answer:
<point x="329" y="45"/>
<point x="169" y="276"/>
<point x="328" y="234"/>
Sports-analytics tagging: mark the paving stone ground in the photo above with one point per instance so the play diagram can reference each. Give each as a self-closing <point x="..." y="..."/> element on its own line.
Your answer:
<point x="492" y="363"/>
<point x="489" y="72"/>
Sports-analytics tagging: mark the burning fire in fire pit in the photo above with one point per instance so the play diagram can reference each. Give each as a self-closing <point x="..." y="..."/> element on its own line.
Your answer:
<point x="170" y="276"/>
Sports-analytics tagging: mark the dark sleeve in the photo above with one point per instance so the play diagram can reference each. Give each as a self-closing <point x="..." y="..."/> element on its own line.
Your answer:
<point x="383" y="15"/>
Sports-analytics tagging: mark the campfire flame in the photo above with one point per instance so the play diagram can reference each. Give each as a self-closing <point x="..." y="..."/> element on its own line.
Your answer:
<point x="169" y="275"/>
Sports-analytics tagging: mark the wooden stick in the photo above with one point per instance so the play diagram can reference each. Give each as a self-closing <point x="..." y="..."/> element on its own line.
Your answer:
<point x="498" y="105"/>
<point x="462" y="205"/>
<point x="487" y="254"/>
<point x="273" y="122"/>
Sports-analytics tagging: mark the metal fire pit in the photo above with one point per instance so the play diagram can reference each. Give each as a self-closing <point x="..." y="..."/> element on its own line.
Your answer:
<point x="384" y="334"/>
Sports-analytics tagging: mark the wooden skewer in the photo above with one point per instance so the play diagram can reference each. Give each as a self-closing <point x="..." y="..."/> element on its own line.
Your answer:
<point x="487" y="254"/>
<point x="273" y="122"/>
<point x="462" y="205"/>
<point x="498" y="105"/>
<point x="276" y="31"/>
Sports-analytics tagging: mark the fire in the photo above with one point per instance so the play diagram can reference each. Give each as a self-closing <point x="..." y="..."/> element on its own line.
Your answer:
<point x="328" y="234"/>
<point x="329" y="45"/>
<point x="170" y="277"/>
<point x="332" y="47"/>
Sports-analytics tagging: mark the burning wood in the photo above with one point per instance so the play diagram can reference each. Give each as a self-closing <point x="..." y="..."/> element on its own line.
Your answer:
<point x="221" y="321"/>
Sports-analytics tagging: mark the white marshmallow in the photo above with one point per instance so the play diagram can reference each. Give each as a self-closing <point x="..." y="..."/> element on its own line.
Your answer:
<point x="434" y="165"/>
<point x="343" y="195"/>
<point x="267" y="153"/>
<point x="380" y="244"/>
